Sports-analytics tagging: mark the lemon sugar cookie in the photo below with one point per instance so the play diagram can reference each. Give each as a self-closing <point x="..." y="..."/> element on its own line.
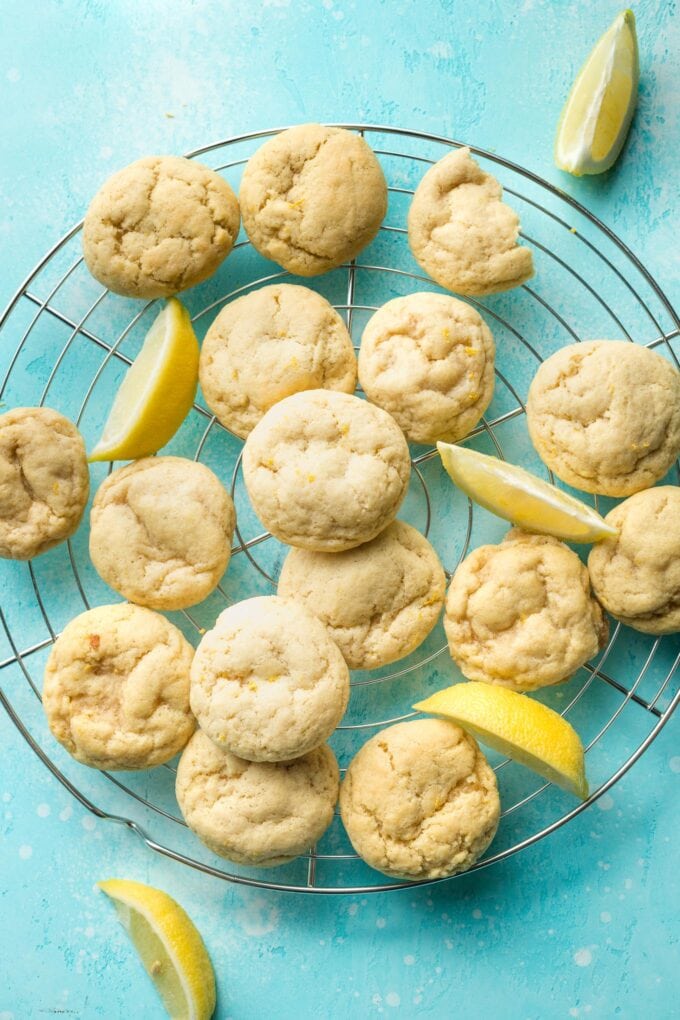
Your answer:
<point x="420" y="801"/>
<point x="462" y="233"/>
<point x="379" y="601"/>
<point x="160" y="225"/>
<point x="521" y="614"/>
<point x="116" y="690"/>
<point x="312" y="197"/>
<point x="269" y="344"/>
<point x="605" y="416"/>
<point x="267" y="682"/>
<point x="636" y="576"/>
<point x="428" y="359"/>
<point x="44" y="481"/>
<point x="257" y="813"/>
<point x="325" y="470"/>
<point x="161" y="531"/>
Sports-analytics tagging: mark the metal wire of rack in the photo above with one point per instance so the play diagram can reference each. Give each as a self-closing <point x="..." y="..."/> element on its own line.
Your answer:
<point x="61" y="328"/>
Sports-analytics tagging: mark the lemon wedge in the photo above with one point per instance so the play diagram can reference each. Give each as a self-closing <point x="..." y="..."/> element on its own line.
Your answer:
<point x="518" y="727"/>
<point x="157" y="392"/>
<point x="168" y="945"/>
<point x="597" y="114"/>
<point x="518" y="496"/>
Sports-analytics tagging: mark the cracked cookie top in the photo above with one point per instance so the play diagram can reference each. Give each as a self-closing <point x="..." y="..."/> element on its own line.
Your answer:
<point x="267" y="682"/>
<point x="326" y="470"/>
<point x="273" y="342"/>
<point x="378" y="601"/>
<point x="158" y="226"/>
<point x="636" y="576"/>
<point x="44" y="481"/>
<point x="428" y="359"/>
<point x="161" y="531"/>
<point x="521" y="614"/>
<point x="312" y="197"/>
<point x="256" y="813"/>
<point x="116" y="690"/>
<point x="462" y="233"/>
<point x="605" y="416"/>
<point x="420" y="801"/>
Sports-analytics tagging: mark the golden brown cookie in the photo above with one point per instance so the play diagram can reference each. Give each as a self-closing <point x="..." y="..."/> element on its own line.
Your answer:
<point x="636" y="576"/>
<point x="312" y="197"/>
<point x="420" y="801"/>
<point x="462" y="233"/>
<point x="258" y="813"/>
<point x="158" y="226"/>
<point x="521" y="614"/>
<point x="44" y="481"/>
<point x="325" y="470"/>
<point x="605" y="416"/>
<point x="273" y="342"/>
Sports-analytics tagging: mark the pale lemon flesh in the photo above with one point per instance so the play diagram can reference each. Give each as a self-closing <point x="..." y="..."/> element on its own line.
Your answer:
<point x="516" y="495"/>
<point x="169" y="946"/>
<point x="518" y="727"/>
<point x="599" y="109"/>
<point x="157" y="391"/>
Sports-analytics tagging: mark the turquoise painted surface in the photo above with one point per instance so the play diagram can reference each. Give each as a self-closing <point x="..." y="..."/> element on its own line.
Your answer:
<point x="581" y="925"/>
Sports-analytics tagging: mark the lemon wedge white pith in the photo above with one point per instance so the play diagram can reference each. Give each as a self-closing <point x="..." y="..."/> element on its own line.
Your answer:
<point x="157" y="391"/>
<point x="600" y="106"/>
<point x="518" y="727"/>
<point x="168" y="945"/>
<point x="518" y="496"/>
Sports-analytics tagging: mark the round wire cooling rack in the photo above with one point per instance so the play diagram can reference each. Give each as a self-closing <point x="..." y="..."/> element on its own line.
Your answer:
<point x="66" y="342"/>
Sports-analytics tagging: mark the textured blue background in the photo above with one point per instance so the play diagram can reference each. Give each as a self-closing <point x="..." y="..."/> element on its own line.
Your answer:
<point x="583" y="924"/>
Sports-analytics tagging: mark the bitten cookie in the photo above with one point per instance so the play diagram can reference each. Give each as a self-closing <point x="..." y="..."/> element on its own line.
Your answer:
<point x="428" y="359"/>
<point x="636" y="576"/>
<point x="605" y="416"/>
<point x="158" y="226"/>
<point x="116" y="691"/>
<point x="257" y="813"/>
<point x="326" y="471"/>
<point x="161" y="531"/>
<point x="420" y="801"/>
<point x="312" y="197"/>
<point x="521" y="614"/>
<point x="44" y="481"/>
<point x="462" y="233"/>
<point x="378" y="601"/>
<point x="269" y="344"/>
<point x="267" y="682"/>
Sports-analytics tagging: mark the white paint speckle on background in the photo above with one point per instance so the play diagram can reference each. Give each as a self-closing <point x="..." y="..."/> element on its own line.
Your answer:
<point x="605" y="917"/>
<point x="88" y="823"/>
<point x="573" y="1011"/>
<point x="89" y="932"/>
<point x="6" y="1015"/>
<point x="675" y="763"/>
<point x="392" y="999"/>
<point x="477" y="914"/>
<point x="259" y="917"/>
<point x="409" y="960"/>
<point x="106" y="152"/>
<point x="6" y="798"/>
<point x="380" y="922"/>
<point x="352" y="909"/>
<point x="25" y="851"/>
<point x="42" y="810"/>
<point x="441" y="50"/>
<point x="605" y="802"/>
<point x="417" y="999"/>
<point x="14" y="74"/>
<point x="583" y="957"/>
<point x="628" y="884"/>
<point x="66" y="813"/>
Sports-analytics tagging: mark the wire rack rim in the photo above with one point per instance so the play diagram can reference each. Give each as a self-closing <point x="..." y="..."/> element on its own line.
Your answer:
<point x="661" y="717"/>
